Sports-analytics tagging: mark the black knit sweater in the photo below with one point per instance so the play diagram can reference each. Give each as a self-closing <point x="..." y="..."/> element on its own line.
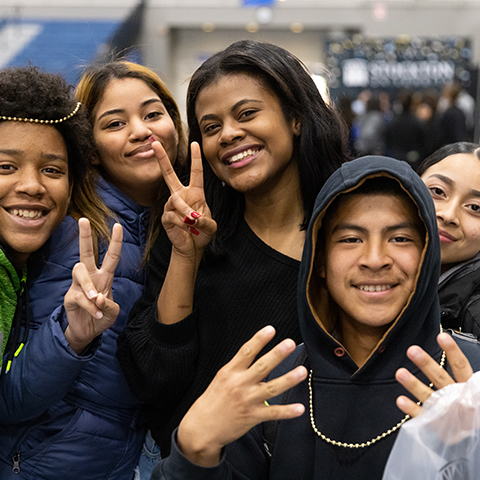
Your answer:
<point x="169" y="366"/>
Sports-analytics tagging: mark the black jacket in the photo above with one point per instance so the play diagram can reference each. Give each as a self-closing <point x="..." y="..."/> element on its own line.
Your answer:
<point x="459" y="292"/>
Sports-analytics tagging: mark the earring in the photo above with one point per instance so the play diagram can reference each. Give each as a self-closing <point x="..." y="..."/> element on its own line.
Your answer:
<point x="223" y="184"/>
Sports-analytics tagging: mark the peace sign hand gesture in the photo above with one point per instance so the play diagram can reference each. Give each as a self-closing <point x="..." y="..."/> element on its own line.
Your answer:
<point x="186" y="218"/>
<point x="89" y="305"/>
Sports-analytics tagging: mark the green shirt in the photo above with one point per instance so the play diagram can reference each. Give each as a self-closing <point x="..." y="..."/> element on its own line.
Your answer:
<point x="10" y="288"/>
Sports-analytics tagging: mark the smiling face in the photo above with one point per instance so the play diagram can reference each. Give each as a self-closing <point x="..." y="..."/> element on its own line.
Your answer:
<point x="246" y="138"/>
<point x="454" y="184"/>
<point x="126" y="116"/>
<point x="34" y="187"/>
<point x="373" y="246"/>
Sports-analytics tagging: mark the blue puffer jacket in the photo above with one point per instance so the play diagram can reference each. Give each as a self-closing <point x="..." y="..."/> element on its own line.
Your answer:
<point x="63" y="415"/>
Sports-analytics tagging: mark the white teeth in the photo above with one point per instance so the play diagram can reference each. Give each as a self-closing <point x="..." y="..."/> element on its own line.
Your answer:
<point x="374" y="288"/>
<point x="30" y="214"/>
<point x="241" y="156"/>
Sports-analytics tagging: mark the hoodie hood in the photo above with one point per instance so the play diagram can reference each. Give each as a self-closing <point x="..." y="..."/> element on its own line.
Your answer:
<point x="418" y="323"/>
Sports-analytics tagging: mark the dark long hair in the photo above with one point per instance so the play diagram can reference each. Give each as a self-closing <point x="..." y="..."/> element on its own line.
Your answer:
<point x="446" y="151"/>
<point x="319" y="150"/>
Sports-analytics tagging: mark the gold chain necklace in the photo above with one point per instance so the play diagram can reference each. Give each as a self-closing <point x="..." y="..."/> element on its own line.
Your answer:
<point x="357" y="445"/>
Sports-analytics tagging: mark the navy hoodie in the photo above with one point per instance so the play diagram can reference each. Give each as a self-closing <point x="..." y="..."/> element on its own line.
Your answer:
<point x="350" y="405"/>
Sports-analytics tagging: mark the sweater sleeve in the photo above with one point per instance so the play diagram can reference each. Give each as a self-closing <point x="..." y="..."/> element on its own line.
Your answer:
<point x="42" y="373"/>
<point x="146" y="345"/>
<point x="241" y="460"/>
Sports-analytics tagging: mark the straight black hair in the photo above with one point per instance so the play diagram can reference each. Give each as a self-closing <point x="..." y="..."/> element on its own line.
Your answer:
<point x="320" y="148"/>
<point x="447" y="151"/>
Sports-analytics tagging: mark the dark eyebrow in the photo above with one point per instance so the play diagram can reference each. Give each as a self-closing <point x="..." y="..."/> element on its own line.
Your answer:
<point x="52" y="156"/>
<point x="451" y="183"/>
<point x="49" y="156"/>
<point x="390" y="228"/>
<point x="443" y="178"/>
<point x="240" y="103"/>
<point x="10" y="151"/>
<point x="114" y="111"/>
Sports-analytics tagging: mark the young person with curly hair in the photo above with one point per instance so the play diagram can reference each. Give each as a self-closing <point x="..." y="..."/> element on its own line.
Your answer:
<point x="88" y="423"/>
<point x="42" y="173"/>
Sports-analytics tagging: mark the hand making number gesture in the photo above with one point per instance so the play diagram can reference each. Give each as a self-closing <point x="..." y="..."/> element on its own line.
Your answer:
<point x="234" y="402"/>
<point x="89" y="305"/>
<point x="460" y="365"/>
<point x="186" y="218"/>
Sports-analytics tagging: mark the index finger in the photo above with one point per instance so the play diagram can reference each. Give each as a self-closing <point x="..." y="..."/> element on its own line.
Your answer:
<point x="112" y="256"/>
<point x="196" y="171"/>
<point x="87" y="256"/>
<point x="169" y="175"/>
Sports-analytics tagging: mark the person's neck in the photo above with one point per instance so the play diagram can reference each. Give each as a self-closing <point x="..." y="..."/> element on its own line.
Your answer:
<point x="276" y="219"/>
<point x="359" y="340"/>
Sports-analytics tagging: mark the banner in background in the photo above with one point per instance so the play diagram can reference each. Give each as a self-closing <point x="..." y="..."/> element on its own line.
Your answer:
<point x="356" y="63"/>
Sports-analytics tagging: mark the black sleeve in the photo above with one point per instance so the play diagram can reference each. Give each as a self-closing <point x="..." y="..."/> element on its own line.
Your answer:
<point x="241" y="460"/>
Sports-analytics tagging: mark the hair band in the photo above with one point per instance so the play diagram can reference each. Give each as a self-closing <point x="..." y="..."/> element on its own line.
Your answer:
<point x="36" y="120"/>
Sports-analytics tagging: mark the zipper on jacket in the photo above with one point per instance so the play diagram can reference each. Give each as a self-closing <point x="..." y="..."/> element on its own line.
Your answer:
<point x="16" y="456"/>
<point x="16" y="463"/>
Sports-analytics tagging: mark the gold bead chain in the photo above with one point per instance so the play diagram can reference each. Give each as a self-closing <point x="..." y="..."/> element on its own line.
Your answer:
<point x="36" y="120"/>
<point x="357" y="445"/>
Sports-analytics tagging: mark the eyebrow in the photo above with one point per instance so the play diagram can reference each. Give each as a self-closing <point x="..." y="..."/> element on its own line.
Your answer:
<point x="16" y="152"/>
<point x="451" y="183"/>
<point x="239" y="104"/>
<point x="358" y="228"/>
<point x="114" y="111"/>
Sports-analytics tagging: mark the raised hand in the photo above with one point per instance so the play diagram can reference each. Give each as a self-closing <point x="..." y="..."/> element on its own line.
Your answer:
<point x="88" y="303"/>
<point x="186" y="219"/>
<point x="234" y="402"/>
<point x="460" y="365"/>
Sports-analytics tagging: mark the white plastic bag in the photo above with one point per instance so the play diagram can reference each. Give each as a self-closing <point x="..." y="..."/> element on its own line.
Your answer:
<point x="443" y="443"/>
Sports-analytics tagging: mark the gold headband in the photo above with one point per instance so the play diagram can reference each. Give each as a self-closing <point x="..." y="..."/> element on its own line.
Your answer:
<point x="36" y="120"/>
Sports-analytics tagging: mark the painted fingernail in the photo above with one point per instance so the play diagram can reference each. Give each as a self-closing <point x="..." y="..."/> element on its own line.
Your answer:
<point x="151" y="139"/>
<point x="194" y="231"/>
<point x="189" y="221"/>
<point x="195" y="215"/>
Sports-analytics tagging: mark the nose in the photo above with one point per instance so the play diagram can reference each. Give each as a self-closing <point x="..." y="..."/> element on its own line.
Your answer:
<point x="30" y="183"/>
<point x="231" y="131"/>
<point x="375" y="256"/>
<point x="139" y="130"/>
<point x="447" y="212"/>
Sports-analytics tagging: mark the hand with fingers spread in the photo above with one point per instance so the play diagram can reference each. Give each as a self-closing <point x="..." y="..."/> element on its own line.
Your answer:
<point x="460" y="365"/>
<point x="186" y="219"/>
<point x="89" y="305"/>
<point x="234" y="402"/>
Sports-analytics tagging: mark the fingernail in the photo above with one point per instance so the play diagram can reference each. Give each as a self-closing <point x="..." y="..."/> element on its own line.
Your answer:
<point x="299" y="409"/>
<point x="194" y="231"/>
<point x="189" y="221"/>
<point x="151" y="139"/>
<point x="99" y="314"/>
<point x="195" y="215"/>
<point x="92" y="294"/>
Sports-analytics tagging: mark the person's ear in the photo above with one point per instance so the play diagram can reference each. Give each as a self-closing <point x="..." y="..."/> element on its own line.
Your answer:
<point x="297" y="127"/>
<point x="95" y="159"/>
